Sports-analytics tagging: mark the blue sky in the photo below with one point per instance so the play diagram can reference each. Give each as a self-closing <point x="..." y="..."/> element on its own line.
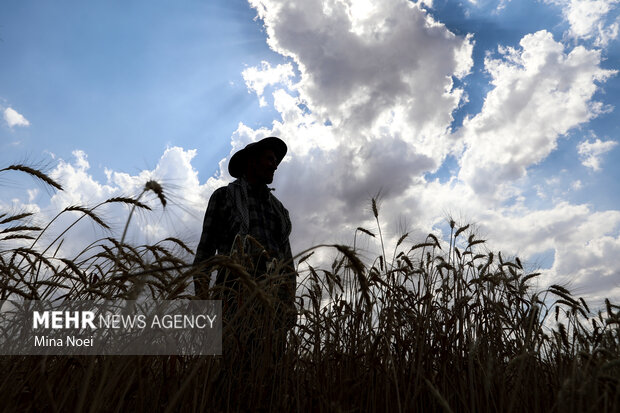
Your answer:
<point x="137" y="76"/>
<point x="503" y="113"/>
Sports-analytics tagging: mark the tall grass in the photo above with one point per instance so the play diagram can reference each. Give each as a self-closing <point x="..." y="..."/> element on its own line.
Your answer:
<point x="439" y="325"/>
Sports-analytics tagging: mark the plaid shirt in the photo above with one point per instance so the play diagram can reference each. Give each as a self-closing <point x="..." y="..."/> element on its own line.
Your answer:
<point x="222" y="224"/>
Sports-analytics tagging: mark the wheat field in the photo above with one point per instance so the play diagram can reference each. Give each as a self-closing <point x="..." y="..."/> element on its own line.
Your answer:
<point x="435" y="325"/>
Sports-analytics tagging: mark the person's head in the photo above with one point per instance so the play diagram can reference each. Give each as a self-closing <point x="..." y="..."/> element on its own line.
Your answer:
<point x="261" y="166"/>
<point x="258" y="160"/>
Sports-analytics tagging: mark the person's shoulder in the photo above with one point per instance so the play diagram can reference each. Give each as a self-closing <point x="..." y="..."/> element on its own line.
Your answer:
<point x="220" y="190"/>
<point x="219" y="195"/>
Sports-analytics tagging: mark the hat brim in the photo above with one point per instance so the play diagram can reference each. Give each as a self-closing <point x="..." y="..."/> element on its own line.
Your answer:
<point x="238" y="162"/>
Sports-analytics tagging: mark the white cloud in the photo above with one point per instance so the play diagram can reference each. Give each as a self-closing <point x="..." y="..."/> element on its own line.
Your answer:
<point x="586" y="245"/>
<point x="540" y="93"/>
<point x="256" y="79"/>
<point x="588" y="259"/>
<point x="32" y="194"/>
<point x="587" y="20"/>
<point x="79" y="187"/>
<point x="502" y="5"/>
<point x="182" y="216"/>
<point x="361" y="67"/>
<point x="14" y="118"/>
<point x="591" y="19"/>
<point x="591" y="152"/>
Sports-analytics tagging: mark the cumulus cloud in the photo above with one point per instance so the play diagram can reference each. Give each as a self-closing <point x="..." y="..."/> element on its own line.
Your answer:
<point x="371" y="70"/>
<point x="585" y="244"/>
<point x="14" y="118"/>
<point x="182" y="216"/>
<point x="591" y="152"/>
<point x="587" y="259"/>
<point x="361" y="64"/>
<point x="540" y="93"/>
<point x="591" y="19"/>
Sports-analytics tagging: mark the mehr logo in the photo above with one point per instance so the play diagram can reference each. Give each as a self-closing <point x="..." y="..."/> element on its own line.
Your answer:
<point x="63" y="319"/>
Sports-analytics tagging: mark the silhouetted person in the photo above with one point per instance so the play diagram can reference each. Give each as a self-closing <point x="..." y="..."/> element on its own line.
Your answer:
<point x="247" y="207"/>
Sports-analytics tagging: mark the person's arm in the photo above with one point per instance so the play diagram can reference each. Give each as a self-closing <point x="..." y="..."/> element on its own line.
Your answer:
<point x="286" y="255"/>
<point x="207" y="247"/>
<point x="286" y="259"/>
<point x="289" y="289"/>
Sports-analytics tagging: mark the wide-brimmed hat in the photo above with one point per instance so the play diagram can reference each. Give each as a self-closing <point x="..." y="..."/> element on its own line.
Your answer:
<point x="238" y="162"/>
